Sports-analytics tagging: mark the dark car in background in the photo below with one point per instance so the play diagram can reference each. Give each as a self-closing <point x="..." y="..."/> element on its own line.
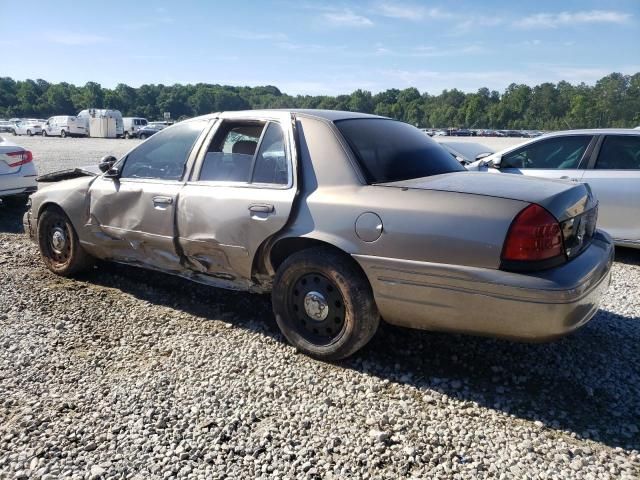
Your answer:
<point x="147" y="131"/>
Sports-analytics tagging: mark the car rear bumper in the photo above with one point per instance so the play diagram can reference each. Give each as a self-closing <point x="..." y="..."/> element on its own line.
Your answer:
<point x="533" y="307"/>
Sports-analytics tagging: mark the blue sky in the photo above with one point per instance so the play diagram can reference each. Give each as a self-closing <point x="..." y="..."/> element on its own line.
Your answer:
<point x="331" y="47"/>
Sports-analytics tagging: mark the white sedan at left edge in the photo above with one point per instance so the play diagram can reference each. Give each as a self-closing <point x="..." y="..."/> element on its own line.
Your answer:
<point x="17" y="173"/>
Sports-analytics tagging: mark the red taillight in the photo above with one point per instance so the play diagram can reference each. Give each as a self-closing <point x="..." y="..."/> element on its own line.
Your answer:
<point x="22" y="157"/>
<point x="534" y="235"/>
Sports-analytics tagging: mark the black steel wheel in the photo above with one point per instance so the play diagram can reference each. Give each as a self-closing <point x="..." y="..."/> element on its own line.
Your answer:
<point x="317" y="305"/>
<point x="323" y="303"/>
<point x="59" y="245"/>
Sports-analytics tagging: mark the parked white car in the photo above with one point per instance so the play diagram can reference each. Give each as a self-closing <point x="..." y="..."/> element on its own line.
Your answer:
<point x="132" y="125"/>
<point x="17" y="173"/>
<point x="607" y="159"/>
<point x="63" y="126"/>
<point x="27" y="128"/>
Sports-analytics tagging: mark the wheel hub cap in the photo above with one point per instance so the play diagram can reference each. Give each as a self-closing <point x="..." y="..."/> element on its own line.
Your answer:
<point x="58" y="240"/>
<point x="316" y="306"/>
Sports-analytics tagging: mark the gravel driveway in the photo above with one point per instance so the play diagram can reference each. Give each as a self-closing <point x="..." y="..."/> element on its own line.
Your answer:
<point x="123" y="373"/>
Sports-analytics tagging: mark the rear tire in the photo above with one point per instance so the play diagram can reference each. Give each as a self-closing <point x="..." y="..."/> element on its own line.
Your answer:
<point x="324" y="304"/>
<point x="142" y="136"/>
<point x="28" y="133"/>
<point x="44" y="133"/>
<point x="127" y="136"/>
<point x="59" y="245"/>
<point x="63" y="134"/>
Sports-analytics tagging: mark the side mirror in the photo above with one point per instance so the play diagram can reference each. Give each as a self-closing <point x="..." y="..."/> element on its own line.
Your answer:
<point x="112" y="173"/>
<point x="493" y="163"/>
<point x="106" y="163"/>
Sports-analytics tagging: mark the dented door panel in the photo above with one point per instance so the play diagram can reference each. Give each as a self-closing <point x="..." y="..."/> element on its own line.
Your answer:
<point x="218" y="232"/>
<point x="134" y="221"/>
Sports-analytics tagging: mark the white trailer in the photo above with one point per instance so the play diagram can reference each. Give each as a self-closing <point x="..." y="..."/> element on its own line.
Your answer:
<point x="90" y="113"/>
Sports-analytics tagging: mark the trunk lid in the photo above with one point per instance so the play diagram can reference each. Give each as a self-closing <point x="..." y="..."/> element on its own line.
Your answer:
<point x="572" y="204"/>
<point x="563" y="199"/>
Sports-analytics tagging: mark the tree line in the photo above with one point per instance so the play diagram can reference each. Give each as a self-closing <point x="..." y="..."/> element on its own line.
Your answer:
<point x="614" y="101"/>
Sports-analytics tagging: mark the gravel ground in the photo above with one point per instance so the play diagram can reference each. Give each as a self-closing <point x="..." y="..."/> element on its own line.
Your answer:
<point x="123" y="373"/>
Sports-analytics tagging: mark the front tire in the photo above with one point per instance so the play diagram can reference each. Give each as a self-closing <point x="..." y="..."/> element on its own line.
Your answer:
<point x="59" y="245"/>
<point x="44" y="133"/>
<point x="28" y="133"/>
<point x="323" y="304"/>
<point x="142" y="136"/>
<point x="127" y="136"/>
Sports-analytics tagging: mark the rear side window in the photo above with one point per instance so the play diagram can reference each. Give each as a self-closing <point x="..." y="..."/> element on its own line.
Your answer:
<point x="619" y="152"/>
<point x="271" y="161"/>
<point x="230" y="154"/>
<point x="558" y="153"/>
<point x="390" y="151"/>
<point x="165" y="154"/>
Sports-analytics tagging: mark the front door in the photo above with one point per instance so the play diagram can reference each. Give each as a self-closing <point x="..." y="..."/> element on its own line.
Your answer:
<point x="555" y="157"/>
<point x="240" y="194"/>
<point x="132" y="216"/>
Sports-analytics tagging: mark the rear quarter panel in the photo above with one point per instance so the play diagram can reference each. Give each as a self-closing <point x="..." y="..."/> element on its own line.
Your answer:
<point x="422" y="225"/>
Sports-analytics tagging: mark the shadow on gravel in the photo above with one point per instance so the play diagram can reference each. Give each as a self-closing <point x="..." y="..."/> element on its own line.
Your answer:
<point x="586" y="384"/>
<point x="11" y="218"/>
<point x="630" y="256"/>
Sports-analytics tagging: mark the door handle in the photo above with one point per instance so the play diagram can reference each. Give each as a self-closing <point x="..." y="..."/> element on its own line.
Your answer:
<point x="160" y="200"/>
<point x="261" y="208"/>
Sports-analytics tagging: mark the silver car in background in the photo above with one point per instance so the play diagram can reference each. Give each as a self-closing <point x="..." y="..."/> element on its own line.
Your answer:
<point x="607" y="159"/>
<point x="345" y="218"/>
<point x="17" y="173"/>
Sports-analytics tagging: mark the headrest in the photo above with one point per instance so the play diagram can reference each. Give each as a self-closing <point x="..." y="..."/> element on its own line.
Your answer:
<point x="247" y="147"/>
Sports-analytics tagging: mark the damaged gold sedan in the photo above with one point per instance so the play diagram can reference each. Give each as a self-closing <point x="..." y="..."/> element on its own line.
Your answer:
<point x="345" y="218"/>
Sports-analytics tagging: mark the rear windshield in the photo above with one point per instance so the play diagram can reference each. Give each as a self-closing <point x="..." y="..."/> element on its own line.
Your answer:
<point x="389" y="150"/>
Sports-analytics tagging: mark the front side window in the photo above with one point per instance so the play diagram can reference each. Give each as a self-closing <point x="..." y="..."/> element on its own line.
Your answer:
<point x="390" y="151"/>
<point x="554" y="153"/>
<point x="619" y="152"/>
<point x="164" y="155"/>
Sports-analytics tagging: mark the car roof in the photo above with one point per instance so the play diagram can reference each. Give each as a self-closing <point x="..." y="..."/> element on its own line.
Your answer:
<point x="330" y="115"/>
<point x="593" y="131"/>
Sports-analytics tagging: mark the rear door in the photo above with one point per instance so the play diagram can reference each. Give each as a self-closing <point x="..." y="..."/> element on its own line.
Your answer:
<point x="240" y="194"/>
<point x="562" y="157"/>
<point x="136" y="211"/>
<point x="614" y="177"/>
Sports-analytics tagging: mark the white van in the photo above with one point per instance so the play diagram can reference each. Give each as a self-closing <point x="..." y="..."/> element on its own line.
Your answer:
<point x="85" y="115"/>
<point x="132" y="125"/>
<point x="63" y="126"/>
